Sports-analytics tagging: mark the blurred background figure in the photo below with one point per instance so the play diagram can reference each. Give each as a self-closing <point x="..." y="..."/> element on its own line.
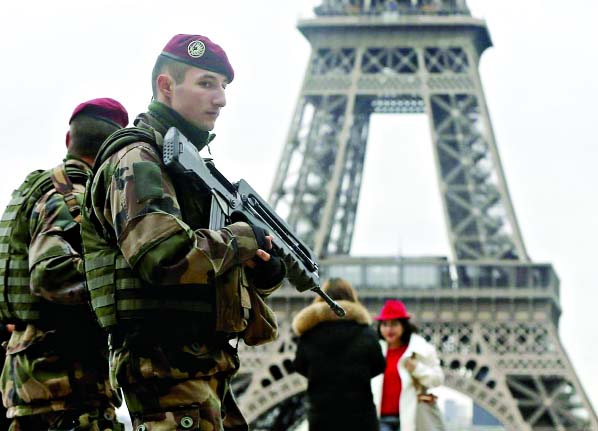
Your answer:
<point x="411" y="365"/>
<point x="339" y="357"/>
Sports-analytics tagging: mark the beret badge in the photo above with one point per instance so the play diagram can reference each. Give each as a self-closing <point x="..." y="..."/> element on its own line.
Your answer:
<point x="196" y="49"/>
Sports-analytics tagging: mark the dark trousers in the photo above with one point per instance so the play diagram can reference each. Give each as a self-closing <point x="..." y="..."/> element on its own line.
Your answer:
<point x="390" y="423"/>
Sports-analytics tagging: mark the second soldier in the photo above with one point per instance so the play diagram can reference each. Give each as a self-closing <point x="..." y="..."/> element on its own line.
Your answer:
<point x="55" y="373"/>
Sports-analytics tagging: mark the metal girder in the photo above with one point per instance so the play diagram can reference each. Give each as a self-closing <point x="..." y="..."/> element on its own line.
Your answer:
<point x="475" y="198"/>
<point x="300" y="188"/>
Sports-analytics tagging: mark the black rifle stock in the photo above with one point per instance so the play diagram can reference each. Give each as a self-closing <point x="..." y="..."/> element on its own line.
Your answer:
<point x="239" y="202"/>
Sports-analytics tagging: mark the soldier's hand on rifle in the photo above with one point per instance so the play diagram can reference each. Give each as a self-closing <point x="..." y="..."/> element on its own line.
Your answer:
<point x="260" y="253"/>
<point x="264" y="242"/>
<point x="266" y="269"/>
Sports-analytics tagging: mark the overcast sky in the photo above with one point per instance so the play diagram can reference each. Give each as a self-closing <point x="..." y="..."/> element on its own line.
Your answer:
<point x="539" y="78"/>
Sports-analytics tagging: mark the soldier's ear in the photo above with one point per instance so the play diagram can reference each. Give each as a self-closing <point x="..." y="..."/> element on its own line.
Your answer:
<point x="68" y="138"/>
<point x="164" y="85"/>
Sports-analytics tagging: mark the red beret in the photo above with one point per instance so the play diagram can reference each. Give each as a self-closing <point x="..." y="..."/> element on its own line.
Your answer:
<point x="105" y="108"/>
<point x="199" y="51"/>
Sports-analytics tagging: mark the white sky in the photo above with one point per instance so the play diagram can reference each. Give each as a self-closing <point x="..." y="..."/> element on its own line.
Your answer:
<point x="540" y="83"/>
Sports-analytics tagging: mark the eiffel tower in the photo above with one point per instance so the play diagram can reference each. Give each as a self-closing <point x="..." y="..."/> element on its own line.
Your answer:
<point x="490" y="310"/>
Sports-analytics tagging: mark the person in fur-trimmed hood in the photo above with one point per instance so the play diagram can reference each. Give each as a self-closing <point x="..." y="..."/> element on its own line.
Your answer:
<point x="339" y="357"/>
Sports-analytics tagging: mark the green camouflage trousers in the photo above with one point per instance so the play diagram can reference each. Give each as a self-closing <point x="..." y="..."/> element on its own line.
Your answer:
<point x="177" y="386"/>
<point x="68" y="421"/>
<point x="33" y="383"/>
<point x="45" y="380"/>
<point x="201" y="404"/>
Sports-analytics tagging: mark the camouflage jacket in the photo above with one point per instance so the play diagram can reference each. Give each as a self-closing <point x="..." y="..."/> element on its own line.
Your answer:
<point x="56" y="363"/>
<point x="55" y="261"/>
<point x="135" y="200"/>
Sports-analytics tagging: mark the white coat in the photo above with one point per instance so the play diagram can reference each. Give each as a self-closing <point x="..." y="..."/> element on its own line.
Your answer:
<point x="427" y="371"/>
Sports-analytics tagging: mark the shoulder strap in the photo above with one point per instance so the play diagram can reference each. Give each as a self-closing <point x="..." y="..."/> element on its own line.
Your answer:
<point x="113" y="143"/>
<point x="123" y="137"/>
<point x="63" y="185"/>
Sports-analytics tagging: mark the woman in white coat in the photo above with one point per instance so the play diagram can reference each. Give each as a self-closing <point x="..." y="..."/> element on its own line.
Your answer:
<point x="411" y="362"/>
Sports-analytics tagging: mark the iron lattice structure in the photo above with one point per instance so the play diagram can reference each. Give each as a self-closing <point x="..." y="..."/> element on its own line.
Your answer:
<point x="491" y="312"/>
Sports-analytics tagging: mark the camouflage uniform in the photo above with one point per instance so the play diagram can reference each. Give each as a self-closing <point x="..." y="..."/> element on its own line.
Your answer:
<point x="55" y="373"/>
<point x="174" y="367"/>
<point x="4" y="336"/>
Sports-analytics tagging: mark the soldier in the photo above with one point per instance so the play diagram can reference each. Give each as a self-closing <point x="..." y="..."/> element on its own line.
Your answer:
<point x="172" y="293"/>
<point x="55" y="373"/>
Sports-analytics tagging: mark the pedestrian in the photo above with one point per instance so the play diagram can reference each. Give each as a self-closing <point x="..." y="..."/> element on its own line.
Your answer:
<point x="411" y="365"/>
<point x="173" y="294"/>
<point x="55" y="376"/>
<point x="339" y="357"/>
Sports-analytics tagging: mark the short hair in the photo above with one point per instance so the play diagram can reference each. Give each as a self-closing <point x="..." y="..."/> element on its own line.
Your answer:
<point x="338" y="289"/>
<point x="87" y="133"/>
<point x="408" y="329"/>
<point x="174" y="68"/>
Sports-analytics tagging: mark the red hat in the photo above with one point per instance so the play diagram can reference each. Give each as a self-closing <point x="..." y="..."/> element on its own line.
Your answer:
<point x="199" y="51"/>
<point x="393" y="309"/>
<point x="105" y="108"/>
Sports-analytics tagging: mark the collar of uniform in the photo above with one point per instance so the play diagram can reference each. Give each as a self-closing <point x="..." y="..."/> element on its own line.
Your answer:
<point x="166" y="118"/>
<point x="71" y="160"/>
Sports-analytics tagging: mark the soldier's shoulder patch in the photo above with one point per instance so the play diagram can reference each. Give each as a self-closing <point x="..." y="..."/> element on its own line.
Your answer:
<point x="148" y="181"/>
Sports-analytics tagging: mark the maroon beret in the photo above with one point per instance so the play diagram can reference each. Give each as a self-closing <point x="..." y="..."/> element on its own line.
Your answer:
<point x="105" y="108"/>
<point x="199" y="51"/>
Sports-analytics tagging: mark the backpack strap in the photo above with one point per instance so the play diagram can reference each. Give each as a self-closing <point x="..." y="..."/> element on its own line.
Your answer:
<point x="123" y="137"/>
<point x="114" y="143"/>
<point x="63" y="185"/>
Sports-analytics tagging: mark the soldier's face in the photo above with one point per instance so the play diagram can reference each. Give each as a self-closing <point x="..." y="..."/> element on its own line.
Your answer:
<point x="200" y="97"/>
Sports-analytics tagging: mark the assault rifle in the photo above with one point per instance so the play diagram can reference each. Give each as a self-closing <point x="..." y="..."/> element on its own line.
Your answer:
<point x="239" y="202"/>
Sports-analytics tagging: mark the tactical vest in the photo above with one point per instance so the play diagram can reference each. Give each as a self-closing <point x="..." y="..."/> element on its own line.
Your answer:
<point x="17" y="304"/>
<point x="118" y="296"/>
